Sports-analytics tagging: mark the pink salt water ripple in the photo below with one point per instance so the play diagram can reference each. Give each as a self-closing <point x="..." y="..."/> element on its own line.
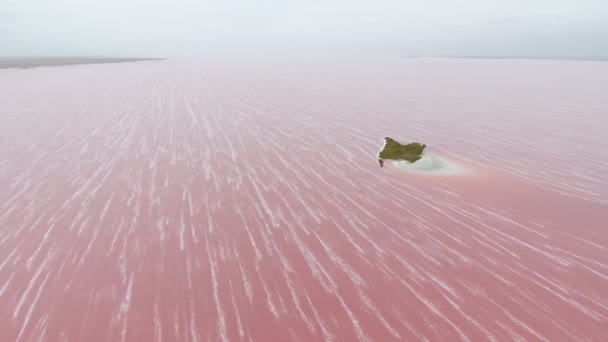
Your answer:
<point x="234" y="200"/>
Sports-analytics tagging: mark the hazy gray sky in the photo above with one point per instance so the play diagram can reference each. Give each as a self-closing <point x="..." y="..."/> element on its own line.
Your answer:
<point x="572" y="28"/>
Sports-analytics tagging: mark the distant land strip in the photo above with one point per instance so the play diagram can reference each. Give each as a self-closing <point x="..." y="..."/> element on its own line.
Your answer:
<point x="33" y="62"/>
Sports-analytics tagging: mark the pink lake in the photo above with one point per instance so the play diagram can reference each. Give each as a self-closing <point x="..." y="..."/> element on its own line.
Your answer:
<point x="229" y="200"/>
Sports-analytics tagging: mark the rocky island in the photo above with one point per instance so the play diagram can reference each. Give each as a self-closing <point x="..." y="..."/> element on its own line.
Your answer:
<point x="396" y="151"/>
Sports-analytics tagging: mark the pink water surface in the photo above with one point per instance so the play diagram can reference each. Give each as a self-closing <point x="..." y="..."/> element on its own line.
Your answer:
<point x="239" y="200"/>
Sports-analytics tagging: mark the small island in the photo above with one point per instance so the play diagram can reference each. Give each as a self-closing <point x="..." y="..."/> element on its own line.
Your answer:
<point x="396" y="151"/>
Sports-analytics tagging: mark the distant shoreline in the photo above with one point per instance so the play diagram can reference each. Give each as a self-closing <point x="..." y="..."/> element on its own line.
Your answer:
<point x="34" y="62"/>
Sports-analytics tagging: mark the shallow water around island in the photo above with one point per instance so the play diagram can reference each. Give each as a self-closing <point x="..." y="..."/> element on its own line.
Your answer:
<point x="433" y="164"/>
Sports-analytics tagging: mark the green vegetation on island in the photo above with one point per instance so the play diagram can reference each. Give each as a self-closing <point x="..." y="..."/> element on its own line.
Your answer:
<point x="394" y="150"/>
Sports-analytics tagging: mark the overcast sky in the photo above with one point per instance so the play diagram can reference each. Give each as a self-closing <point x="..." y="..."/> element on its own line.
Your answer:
<point x="548" y="28"/>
